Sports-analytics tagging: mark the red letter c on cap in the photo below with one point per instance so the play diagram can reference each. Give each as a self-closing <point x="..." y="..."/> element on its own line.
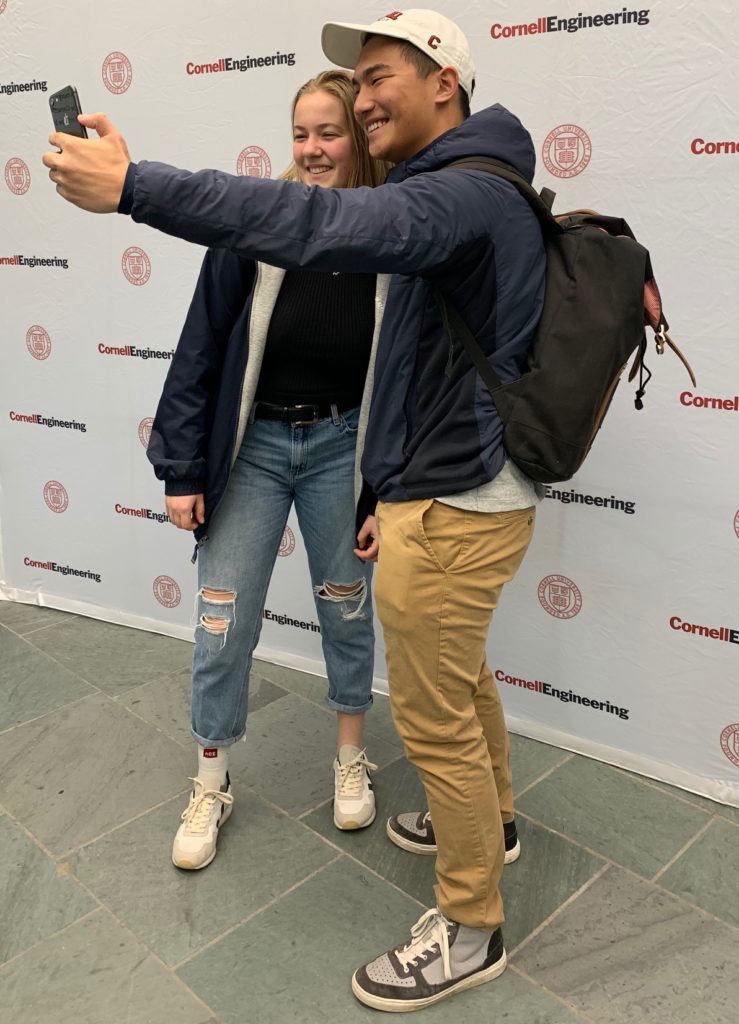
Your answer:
<point x="433" y="42"/>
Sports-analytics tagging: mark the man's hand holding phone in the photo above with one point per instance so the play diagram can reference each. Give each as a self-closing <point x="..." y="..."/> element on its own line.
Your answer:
<point x="90" y="173"/>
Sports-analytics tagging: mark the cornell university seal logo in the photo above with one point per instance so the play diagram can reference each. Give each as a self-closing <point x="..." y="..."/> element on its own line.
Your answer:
<point x="566" y="151"/>
<point x="136" y="265"/>
<point x="145" y="430"/>
<point x="730" y="743"/>
<point x="287" y="544"/>
<point x="167" y="591"/>
<point x="55" y="496"/>
<point x="117" y="72"/>
<point x="17" y="176"/>
<point x="38" y="342"/>
<point x="254" y="162"/>
<point x="560" y="597"/>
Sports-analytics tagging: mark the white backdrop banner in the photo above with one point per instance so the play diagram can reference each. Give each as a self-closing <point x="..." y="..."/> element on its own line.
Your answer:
<point x="620" y="636"/>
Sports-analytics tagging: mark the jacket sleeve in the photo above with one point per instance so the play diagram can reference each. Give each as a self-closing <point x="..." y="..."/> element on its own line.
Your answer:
<point x="408" y="227"/>
<point x="179" y="435"/>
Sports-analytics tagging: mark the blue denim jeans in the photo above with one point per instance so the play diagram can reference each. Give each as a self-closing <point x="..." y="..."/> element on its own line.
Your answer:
<point x="276" y="465"/>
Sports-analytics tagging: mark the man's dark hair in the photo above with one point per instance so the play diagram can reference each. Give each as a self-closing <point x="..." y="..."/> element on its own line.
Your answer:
<point x="425" y="66"/>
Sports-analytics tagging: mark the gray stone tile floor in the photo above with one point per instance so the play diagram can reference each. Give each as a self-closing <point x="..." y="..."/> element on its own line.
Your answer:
<point x="624" y="905"/>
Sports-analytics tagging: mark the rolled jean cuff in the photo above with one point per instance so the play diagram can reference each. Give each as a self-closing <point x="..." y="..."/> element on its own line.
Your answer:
<point x="348" y="709"/>
<point x="216" y="743"/>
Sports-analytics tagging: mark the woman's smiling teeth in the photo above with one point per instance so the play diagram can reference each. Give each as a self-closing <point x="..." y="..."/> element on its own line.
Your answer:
<point x="322" y="169"/>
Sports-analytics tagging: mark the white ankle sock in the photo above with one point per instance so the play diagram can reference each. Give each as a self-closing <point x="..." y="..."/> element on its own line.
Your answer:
<point x="212" y="766"/>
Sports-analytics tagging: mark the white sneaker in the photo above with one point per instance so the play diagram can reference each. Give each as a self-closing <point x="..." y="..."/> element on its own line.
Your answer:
<point x="194" y="844"/>
<point x="354" y="801"/>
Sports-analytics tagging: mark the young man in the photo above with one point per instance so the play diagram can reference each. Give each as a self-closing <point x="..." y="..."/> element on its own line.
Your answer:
<point x="455" y="518"/>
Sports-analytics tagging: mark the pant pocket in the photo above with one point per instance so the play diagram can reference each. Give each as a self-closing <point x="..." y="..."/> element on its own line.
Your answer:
<point x="349" y="421"/>
<point x="444" y="531"/>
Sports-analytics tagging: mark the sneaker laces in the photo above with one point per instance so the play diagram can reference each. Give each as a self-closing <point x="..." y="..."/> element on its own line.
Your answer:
<point x="199" y="811"/>
<point x="427" y="934"/>
<point x="351" y="775"/>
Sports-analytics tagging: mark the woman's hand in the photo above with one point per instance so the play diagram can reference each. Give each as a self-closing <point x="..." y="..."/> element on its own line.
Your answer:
<point x="186" y="511"/>
<point x="368" y="540"/>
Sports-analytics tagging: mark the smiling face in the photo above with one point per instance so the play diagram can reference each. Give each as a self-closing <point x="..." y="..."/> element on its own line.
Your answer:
<point x="322" y="144"/>
<point x="398" y="108"/>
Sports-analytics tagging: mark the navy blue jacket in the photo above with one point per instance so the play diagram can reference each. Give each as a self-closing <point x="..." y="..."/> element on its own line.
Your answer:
<point x="433" y="428"/>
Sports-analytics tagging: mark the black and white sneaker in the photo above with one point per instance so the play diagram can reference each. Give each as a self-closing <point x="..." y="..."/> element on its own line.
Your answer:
<point x="441" y="959"/>
<point x="354" y="798"/>
<point x="415" y="833"/>
<point x="196" y="839"/>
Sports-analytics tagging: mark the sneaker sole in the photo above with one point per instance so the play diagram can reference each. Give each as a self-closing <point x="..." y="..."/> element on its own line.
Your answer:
<point x="424" y="849"/>
<point x="186" y="865"/>
<point x="428" y="850"/>
<point x="352" y="826"/>
<point x="512" y="855"/>
<point x="405" y="1006"/>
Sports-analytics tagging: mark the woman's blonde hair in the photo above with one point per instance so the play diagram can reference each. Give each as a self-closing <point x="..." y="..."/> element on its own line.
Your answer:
<point x="365" y="170"/>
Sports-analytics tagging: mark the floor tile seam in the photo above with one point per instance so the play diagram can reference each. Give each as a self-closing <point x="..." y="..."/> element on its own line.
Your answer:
<point x="729" y="821"/>
<point x="339" y="849"/>
<point x="583" y="846"/>
<point x="103" y="835"/>
<point x="320" y="704"/>
<point x="332" y="714"/>
<point x="60" y="707"/>
<point x="152" y="725"/>
<point x="104" y="908"/>
<point x="574" y="842"/>
<point x="195" y="953"/>
<point x="634" y="874"/>
<point x="4" y="625"/>
<point x="34" y="838"/>
<point x="656" y="785"/>
<point x="694" y="906"/>
<point x="28" y="632"/>
<point x="162" y="964"/>
<point x="46" y="654"/>
<point x="54" y="935"/>
<point x="144" y="686"/>
<point x="545" y="775"/>
<point x="683" y="849"/>
<point x="553" y="995"/>
<point x="561" y="908"/>
<point x="161" y="677"/>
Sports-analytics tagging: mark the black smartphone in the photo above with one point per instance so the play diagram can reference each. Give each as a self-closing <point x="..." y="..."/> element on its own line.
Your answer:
<point x="65" y="106"/>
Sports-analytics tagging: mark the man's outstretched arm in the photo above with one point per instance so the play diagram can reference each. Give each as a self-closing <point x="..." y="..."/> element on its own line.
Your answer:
<point x="409" y="227"/>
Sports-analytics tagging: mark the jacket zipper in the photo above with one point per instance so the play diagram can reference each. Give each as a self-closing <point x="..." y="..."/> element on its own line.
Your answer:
<point x="234" y="453"/>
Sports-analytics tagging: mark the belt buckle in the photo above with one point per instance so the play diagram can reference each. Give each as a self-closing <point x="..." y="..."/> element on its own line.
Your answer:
<point x="310" y="422"/>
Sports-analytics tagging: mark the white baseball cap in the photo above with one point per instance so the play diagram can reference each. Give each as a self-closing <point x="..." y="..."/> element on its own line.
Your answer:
<point x="432" y="33"/>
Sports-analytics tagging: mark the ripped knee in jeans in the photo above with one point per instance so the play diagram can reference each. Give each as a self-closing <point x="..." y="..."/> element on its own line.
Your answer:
<point x="346" y="594"/>
<point x="219" y="612"/>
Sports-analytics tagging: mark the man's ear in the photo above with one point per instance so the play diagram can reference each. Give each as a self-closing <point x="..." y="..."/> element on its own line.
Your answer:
<point x="447" y="85"/>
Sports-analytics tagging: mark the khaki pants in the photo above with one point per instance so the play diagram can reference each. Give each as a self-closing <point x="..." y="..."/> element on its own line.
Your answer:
<point x="440" y="573"/>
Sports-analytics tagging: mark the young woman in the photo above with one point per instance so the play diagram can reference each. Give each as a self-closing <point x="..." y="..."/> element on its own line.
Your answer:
<point x="262" y="407"/>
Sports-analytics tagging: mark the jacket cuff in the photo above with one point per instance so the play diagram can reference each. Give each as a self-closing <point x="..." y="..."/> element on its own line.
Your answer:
<point x="178" y="488"/>
<point x="366" y="506"/>
<point x="126" y="203"/>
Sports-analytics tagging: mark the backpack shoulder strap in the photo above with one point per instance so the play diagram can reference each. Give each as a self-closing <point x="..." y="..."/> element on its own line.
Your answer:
<point x="455" y="327"/>
<point x="541" y="204"/>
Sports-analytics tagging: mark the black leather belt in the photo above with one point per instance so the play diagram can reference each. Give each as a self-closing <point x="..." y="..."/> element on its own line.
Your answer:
<point x="304" y="415"/>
